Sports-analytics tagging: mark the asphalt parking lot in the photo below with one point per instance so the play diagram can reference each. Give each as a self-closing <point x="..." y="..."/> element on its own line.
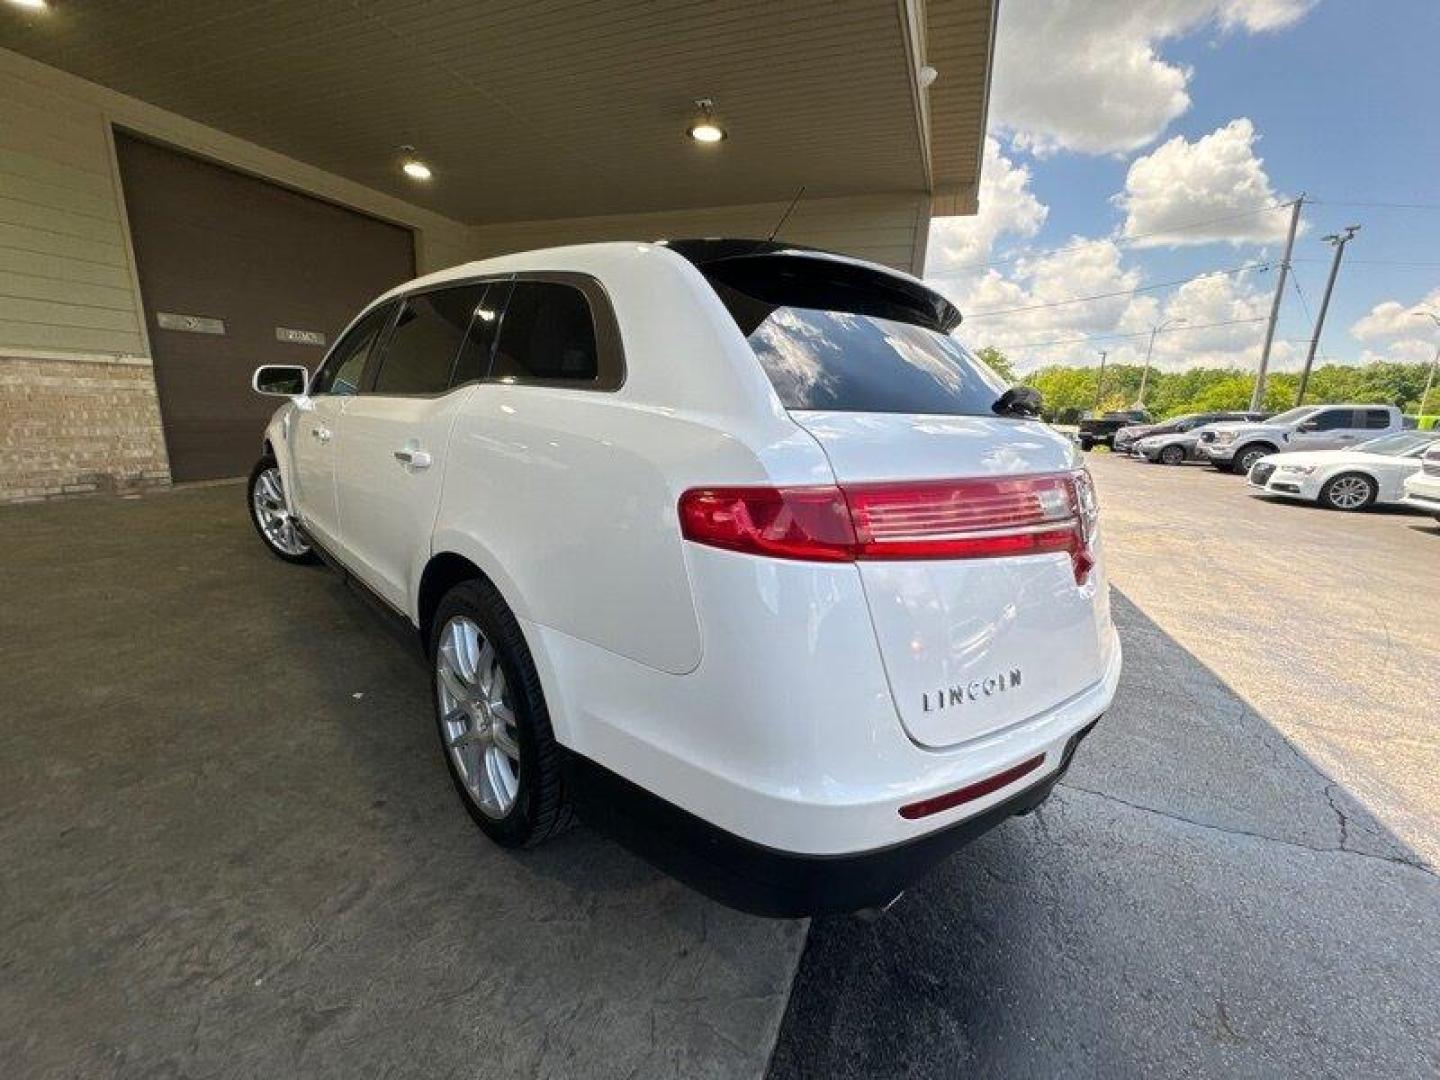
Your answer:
<point x="230" y="847"/>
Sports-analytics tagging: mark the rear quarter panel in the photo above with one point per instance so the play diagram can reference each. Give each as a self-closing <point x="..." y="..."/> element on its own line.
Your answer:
<point x="567" y="498"/>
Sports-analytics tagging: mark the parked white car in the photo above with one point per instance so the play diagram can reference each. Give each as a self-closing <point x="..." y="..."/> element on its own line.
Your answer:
<point x="1236" y="447"/>
<point x="728" y="545"/>
<point x="1422" y="488"/>
<point x="1373" y="472"/>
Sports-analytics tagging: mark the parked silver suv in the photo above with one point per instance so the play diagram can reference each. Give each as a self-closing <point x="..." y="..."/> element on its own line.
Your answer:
<point x="1236" y="446"/>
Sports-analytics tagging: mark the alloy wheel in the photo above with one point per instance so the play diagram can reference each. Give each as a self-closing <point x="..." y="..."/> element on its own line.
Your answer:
<point x="477" y="717"/>
<point x="1349" y="492"/>
<point x="274" y="517"/>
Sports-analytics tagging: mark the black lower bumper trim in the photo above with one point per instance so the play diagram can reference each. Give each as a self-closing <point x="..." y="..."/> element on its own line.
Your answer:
<point x="763" y="880"/>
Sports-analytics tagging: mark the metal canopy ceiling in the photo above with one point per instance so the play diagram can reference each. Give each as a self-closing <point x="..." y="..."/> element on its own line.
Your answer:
<point x="559" y="109"/>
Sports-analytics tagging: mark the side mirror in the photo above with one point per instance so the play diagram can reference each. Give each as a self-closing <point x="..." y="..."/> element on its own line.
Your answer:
<point x="280" y="380"/>
<point x="1019" y="401"/>
<point x="1309" y="425"/>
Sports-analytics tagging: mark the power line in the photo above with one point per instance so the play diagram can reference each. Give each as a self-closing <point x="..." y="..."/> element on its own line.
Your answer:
<point x="1121" y="241"/>
<point x="1119" y="292"/>
<point x="1369" y="262"/>
<point x="1118" y="337"/>
<point x="1378" y="205"/>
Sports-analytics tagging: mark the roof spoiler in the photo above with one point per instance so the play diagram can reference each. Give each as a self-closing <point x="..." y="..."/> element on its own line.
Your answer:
<point x="830" y="279"/>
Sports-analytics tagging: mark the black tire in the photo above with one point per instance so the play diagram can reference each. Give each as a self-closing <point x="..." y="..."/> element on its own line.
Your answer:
<point x="541" y="809"/>
<point x="1086" y="445"/>
<point x="1328" y="493"/>
<point x="1244" y="459"/>
<point x="1172" y="455"/>
<point x="264" y="465"/>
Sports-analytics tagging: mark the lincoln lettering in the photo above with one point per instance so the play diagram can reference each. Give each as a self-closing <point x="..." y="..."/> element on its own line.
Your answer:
<point x="959" y="694"/>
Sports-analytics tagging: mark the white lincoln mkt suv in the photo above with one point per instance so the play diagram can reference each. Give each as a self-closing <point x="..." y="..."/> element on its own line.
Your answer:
<point x="728" y="546"/>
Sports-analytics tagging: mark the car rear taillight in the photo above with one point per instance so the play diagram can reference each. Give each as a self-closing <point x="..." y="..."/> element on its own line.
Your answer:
<point x="945" y="519"/>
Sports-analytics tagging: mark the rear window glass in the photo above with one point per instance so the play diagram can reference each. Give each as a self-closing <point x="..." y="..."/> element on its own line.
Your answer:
<point x="821" y="358"/>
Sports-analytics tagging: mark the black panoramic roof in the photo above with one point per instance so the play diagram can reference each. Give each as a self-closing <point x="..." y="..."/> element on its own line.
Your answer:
<point x="894" y="295"/>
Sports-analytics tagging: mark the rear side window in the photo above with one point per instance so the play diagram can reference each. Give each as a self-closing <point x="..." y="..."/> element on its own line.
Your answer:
<point x="1377" y="419"/>
<point x="821" y="355"/>
<point x="547" y="333"/>
<point x="345" y="365"/>
<point x="420" y="354"/>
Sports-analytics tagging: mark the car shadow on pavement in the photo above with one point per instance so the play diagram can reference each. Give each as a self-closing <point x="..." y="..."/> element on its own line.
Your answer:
<point x="1196" y="899"/>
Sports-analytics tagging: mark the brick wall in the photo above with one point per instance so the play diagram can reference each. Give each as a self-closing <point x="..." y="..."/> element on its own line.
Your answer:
<point x="75" y="426"/>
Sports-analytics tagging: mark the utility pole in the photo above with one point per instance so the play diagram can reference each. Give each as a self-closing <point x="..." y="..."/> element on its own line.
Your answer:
<point x="1257" y="398"/>
<point x="1100" y="382"/>
<point x="1338" y="241"/>
<point x="1430" y="379"/>
<point x="1145" y="374"/>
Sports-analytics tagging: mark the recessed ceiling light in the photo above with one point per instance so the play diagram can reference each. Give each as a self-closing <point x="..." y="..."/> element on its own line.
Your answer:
<point x="412" y="166"/>
<point x="36" y="5"/>
<point x="705" y="129"/>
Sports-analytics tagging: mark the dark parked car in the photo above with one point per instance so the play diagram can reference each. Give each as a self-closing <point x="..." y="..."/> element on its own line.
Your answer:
<point x="1128" y="436"/>
<point x="1098" y="430"/>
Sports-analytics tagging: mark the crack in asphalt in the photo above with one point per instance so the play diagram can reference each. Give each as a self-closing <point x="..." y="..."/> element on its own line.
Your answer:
<point x="1424" y="868"/>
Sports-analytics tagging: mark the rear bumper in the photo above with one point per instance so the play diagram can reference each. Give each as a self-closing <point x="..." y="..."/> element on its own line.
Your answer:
<point x="767" y="881"/>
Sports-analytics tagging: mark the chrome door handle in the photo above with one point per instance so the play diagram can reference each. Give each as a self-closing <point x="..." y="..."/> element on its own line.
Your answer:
<point x="323" y="434"/>
<point x="416" y="459"/>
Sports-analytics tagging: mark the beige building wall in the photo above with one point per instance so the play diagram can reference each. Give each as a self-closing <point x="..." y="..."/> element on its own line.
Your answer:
<point x="78" y="408"/>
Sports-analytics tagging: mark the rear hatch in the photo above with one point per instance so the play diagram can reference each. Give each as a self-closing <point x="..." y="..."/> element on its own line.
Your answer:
<point x="941" y="490"/>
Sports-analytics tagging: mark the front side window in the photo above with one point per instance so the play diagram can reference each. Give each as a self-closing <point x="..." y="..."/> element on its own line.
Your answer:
<point x="1333" y="419"/>
<point x="345" y="365"/>
<point x="427" y="336"/>
<point x="1291" y="416"/>
<point x="547" y="333"/>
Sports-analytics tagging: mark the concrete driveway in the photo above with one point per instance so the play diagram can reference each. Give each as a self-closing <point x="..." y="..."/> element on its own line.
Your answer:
<point x="230" y="847"/>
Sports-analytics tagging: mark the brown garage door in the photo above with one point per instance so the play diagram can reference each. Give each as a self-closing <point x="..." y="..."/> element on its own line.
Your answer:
<point x="228" y="264"/>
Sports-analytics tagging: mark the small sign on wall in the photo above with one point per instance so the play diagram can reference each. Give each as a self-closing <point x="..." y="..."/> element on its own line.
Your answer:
<point x="191" y="324"/>
<point x="299" y="337"/>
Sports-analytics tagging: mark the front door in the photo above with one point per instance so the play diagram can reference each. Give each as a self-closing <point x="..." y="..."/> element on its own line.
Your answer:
<point x="1328" y="429"/>
<point x="316" y="432"/>
<point x="396" y="433"/>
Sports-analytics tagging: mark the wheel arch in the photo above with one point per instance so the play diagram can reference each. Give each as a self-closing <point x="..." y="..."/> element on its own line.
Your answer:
<point x="443" y="572"/>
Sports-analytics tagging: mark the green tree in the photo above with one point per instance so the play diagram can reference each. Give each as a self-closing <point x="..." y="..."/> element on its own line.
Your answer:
<point x="998" y="362"/>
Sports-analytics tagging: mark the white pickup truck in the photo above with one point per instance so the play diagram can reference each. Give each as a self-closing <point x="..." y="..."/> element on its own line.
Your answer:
<point x="1236" y="445"/>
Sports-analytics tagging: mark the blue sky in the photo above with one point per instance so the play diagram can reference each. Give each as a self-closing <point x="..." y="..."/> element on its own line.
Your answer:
<point x="1180" y="122"/>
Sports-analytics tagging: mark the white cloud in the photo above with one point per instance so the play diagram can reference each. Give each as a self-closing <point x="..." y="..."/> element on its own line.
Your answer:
<point x="1216" y="179"/>
<point x="1399" y="333"/>
<point x="1393" y="319"/>
<point x="1006" y="205"/>
<point x="1120" y="324"/>
<point x="1087" y="76"/>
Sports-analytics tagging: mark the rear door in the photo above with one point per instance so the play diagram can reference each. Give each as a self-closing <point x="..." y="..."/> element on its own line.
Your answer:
<point x="397" y="430"/>
<point x="906" y="417"/>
